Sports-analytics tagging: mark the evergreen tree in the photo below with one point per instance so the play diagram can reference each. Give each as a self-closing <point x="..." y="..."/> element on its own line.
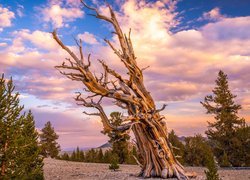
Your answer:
<point x="114" y="162"/>
<point x="224" y="161"/>
<point x="223" y="133"/>
<point x="77" y="154"/>
<point x="177" y="145"/>
<point x="91" y="156"/>
<point x="65" y="156"/>
<point x="196" y="151"/>
<point x="119" y="141"/>
<point x="132" y="155"/>
<point x="100" y="156"/>
<point x="81" y="156"/>
<point x="107" y="156"/>
<point x="212" y="171"/>
<point x="10" y="117"/>
<point x="241" y="146"/>
<point x="28" y="158"/>
<point x="73" y="156"/>
<point x="19" y="151"/>
<point x="48" y="137"/>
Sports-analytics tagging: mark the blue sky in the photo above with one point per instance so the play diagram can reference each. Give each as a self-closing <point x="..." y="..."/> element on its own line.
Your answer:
<point x="185" y="43"/>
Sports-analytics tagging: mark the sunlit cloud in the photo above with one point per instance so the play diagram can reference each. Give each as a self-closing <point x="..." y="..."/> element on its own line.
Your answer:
<point x="59" y="14"/>
<point x="213" y="15"/>
<point x="88" y="38"/>
<point x="6" y="17"/>
<point x="20" y="10"/>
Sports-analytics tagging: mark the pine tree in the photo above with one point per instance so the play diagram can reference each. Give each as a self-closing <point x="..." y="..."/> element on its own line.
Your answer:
<point x="241" y="144"/>
<point x="81" y="156"/>
<point x="114" y="162"/>
<point x="48" y="137"/>
<point x="119" y="141"/>
<point x="77" y="154"/>
<point x="28" y="156"/>
<point x="91" y="156"/>
<point x="177" y="146"/>
<point x="10" y="117"/>
<point x="100" y="156"/>
<point x="133" y="156"/>
<point x="107" y="156"/>
<point x="73" y="156"/>
<point x="19" y="151"/>
<point x="224" y="131"/>
<point x="65" y="156"/>
<point x="224" y="161"/>
<point x="212" y="171"/>
<point x="196" y="151"/>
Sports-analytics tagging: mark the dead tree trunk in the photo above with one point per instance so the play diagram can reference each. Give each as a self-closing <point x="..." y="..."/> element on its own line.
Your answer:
<point x="143" y="118"/>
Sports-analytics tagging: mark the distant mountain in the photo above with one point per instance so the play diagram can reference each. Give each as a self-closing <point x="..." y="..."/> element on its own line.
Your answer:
<point x="106" y="145"/>
<point x="182" y="138"/>
<point x="74" y="148"/>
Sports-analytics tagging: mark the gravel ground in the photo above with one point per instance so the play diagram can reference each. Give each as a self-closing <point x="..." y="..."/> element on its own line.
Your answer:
<point x="65" y="170"/>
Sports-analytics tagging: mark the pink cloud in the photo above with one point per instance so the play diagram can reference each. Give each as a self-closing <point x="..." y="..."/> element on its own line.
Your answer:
<point x="88" y="38"/>
<point x="72" y="130"/>
<point x="5" y="17"/>
<point x="3" y="44"/>
<point x="213" y="15"/>
<point x="59" y="15"/>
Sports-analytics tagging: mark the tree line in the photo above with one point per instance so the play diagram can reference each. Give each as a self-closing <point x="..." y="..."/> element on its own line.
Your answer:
<point x="98" y="156"/>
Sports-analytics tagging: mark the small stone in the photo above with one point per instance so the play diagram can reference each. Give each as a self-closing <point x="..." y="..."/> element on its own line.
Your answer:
<point x="153" y="173"/>
<point x="164" y="173"/>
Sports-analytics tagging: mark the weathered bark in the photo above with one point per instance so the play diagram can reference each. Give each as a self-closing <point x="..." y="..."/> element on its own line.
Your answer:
<point x="143" y="118"/>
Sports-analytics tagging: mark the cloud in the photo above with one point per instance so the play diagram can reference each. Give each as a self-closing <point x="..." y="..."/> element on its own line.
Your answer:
<point x="6" y="17"/>
<point x="73" y="3"/>
<point x="59" y="14"/>
<point x="72" y="130"/>
<point x="228" y="29"/>
<point x="31" y="59"/>
<point x="40" y="39"/>
<point x="213" y="15"/>
<point x="20" y="10"/>
<point x="88" y="38"/>
<point x="3" y="44"/>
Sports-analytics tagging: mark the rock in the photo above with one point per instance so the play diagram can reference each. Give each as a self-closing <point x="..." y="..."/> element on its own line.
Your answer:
<point x="164" y="173"/>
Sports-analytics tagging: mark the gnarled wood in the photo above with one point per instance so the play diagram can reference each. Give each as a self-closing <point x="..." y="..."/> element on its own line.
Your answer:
<point x="144" y="119"/>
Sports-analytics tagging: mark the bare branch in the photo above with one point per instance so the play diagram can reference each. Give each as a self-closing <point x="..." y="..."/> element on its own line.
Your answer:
<point x="143" y="69"/>
<point x="54" y="33"/>
<point x="89" y="63"/>
<point x="137" y="161"/>
<point x="91" y="114"/>
<point x="163" y="107"/>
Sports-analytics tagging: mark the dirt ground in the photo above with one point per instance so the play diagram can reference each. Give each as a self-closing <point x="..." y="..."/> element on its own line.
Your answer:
<point x="65" y="170"/>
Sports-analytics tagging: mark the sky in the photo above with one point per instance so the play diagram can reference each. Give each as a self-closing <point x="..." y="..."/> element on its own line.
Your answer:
<point x="185" y="43"/>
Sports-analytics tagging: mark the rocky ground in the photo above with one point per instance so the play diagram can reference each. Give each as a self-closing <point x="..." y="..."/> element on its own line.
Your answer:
<point x="65" y="170"/>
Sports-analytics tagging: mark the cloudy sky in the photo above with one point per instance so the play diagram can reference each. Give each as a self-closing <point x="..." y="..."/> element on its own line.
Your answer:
<point x="185" y="43"/>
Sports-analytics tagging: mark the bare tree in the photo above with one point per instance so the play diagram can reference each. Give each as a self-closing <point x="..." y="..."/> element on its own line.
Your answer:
<point x="148" y="126"/>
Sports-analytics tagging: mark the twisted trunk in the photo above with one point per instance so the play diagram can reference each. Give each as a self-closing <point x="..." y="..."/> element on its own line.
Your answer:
<point x="148" y="126"/>
<point x="158" y="158"/>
